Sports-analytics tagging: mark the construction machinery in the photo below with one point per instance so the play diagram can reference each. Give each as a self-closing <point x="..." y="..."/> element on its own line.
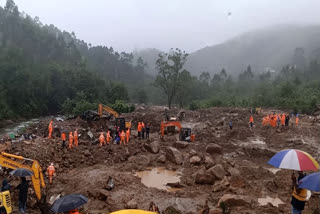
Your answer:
<point x="120" y="121"/>
<point x="5" y="202"/>
<point x="102" y="108"/>
<point x="165" y="124"/>
<point x="186" y="135"/>
<point x="37" y="178"/>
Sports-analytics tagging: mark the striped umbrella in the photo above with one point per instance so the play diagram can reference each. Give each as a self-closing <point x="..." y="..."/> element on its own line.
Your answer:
<point x="294" y="159"/>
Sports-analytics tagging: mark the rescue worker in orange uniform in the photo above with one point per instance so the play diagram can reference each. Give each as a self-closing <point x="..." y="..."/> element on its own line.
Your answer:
<point x="50" y="129"/>
<point x="102" y="139"/>
<point x="75" y="137"/>
<point x="128" y="134"/>
<point x="70" y="140"/>
<point x="143" y="129"/>
<point x="274" y="121"/>
<point x="75" y="211"/>
<point x="139" y="130"/>
<point x="51" y="172"/>
<point x="63" y="138"/>
<point x="108" y="137"/>
<point x="283" y="119"/>
<point x="297" y="120"/>
<point x="251" y="121"/>
<point x="122" y="138"/>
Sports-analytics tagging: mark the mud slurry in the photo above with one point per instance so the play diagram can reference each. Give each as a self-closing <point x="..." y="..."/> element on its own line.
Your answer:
<point x="221" y="163"/>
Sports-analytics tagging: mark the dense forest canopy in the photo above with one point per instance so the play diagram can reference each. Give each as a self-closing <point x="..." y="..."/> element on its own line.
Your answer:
<point x="44" y="70"/>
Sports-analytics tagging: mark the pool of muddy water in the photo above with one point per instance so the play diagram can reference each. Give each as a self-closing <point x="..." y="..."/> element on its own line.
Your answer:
<point x="158" y="178"/>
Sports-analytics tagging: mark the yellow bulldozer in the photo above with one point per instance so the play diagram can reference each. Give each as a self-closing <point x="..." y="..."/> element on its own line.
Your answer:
<point x="6" y="160"/>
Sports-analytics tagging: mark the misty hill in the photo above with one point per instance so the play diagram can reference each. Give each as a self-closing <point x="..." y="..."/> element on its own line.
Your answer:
<point x="149" y="56"/>
<point x="268" y="48"/>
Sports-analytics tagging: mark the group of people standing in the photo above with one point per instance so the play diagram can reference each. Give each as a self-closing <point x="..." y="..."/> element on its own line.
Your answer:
<point x="275" y="120"/>
<point x="73" y="137"/>
<point x="143" y="129"/>
<point x="120" y="136"/>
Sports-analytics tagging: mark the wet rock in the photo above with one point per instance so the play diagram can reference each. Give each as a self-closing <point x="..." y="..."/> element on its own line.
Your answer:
<point x="174" y="155"/>
<point x="233" y="172"/>
<point x="89" y="133"/>
<point x="193" y="152"/>
<point x="203" y="177"/>
<point x="132" y="204"/>
<point x="161" y="159"/>
<point x="181" y="144"/>
<point x="195" y="160"/>
<point x="235" y="200"/>
<point x="221" y="185"/>
<point x="208" y="162"/>
<point x="153" y="147"/>
<point x="213" y="148"/>
<point x="217" y="171"/>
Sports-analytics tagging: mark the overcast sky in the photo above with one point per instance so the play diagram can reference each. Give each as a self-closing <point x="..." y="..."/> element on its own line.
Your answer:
<point x="187" y="24"/>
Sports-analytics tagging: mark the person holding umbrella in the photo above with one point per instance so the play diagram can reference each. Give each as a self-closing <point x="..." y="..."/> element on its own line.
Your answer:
<point x="299" y="195"/>
<point x="23" y="194"/>
<point x="299" y="161"/>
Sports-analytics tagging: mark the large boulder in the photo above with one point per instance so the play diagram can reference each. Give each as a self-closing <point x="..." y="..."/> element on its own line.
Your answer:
<point x="153" y="147"/>
<point x="233" y="172"/>
<point x="235" y="200"/>
<point x="174" y="155"/>
<point x="218" y="171"/>
<point x="213" y="148"/>
<point x="181" y="144"/>
<point x="161" y="159"/>
<point x="195" y="160"/>
<point x="208" y="162"/>
<point x="221" y="185"/>
<point x="132" y="204"/>
<point x="203" y="177"/>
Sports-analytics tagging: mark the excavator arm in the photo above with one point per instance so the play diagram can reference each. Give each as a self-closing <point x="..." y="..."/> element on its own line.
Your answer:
<point x="102" y="108"/>
<point x="37" y="178"/>
<point x="166" y="124"/>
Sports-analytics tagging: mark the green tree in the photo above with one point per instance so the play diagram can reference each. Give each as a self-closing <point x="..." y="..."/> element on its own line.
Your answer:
<point x="169" y="67"/>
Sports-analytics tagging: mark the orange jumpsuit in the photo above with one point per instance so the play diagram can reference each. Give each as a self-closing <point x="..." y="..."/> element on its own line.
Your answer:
<point x="139" y="129"/>
<point x="251" y="121"/>
<point x="102" y="139"/>
<point x="108" y="137"/>
<point x="50" y="129"/>
<point x="297" y="120"/>
<point x="128" y="135"/>
<point x="274" y="122"/>
<point x="51" y="171"/>
<point x="63" y="136"/>
<point x="122" y="138"/>
<point x="70" y="140"/>
<point x="283" y="119"/>
<point x="75" y="138"/>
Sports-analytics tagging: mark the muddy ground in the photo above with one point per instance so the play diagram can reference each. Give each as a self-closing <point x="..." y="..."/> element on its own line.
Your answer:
<point x="221" y="163"/>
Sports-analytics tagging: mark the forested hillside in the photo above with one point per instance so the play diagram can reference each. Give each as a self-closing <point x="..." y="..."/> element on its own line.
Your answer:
<point x="264" y="49"/>
<point x="42" y="67"/>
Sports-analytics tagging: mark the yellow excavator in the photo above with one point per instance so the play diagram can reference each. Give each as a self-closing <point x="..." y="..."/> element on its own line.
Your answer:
<point x="37" y="178"/>
<point x="102" y="108"/>
<point x="120" y="121"/>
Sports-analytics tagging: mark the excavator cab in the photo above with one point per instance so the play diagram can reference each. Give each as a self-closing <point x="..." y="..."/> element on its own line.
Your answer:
<point x="186" y="135"/>
<point x="121" y="122"/>
<point x="5" y="203"/>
